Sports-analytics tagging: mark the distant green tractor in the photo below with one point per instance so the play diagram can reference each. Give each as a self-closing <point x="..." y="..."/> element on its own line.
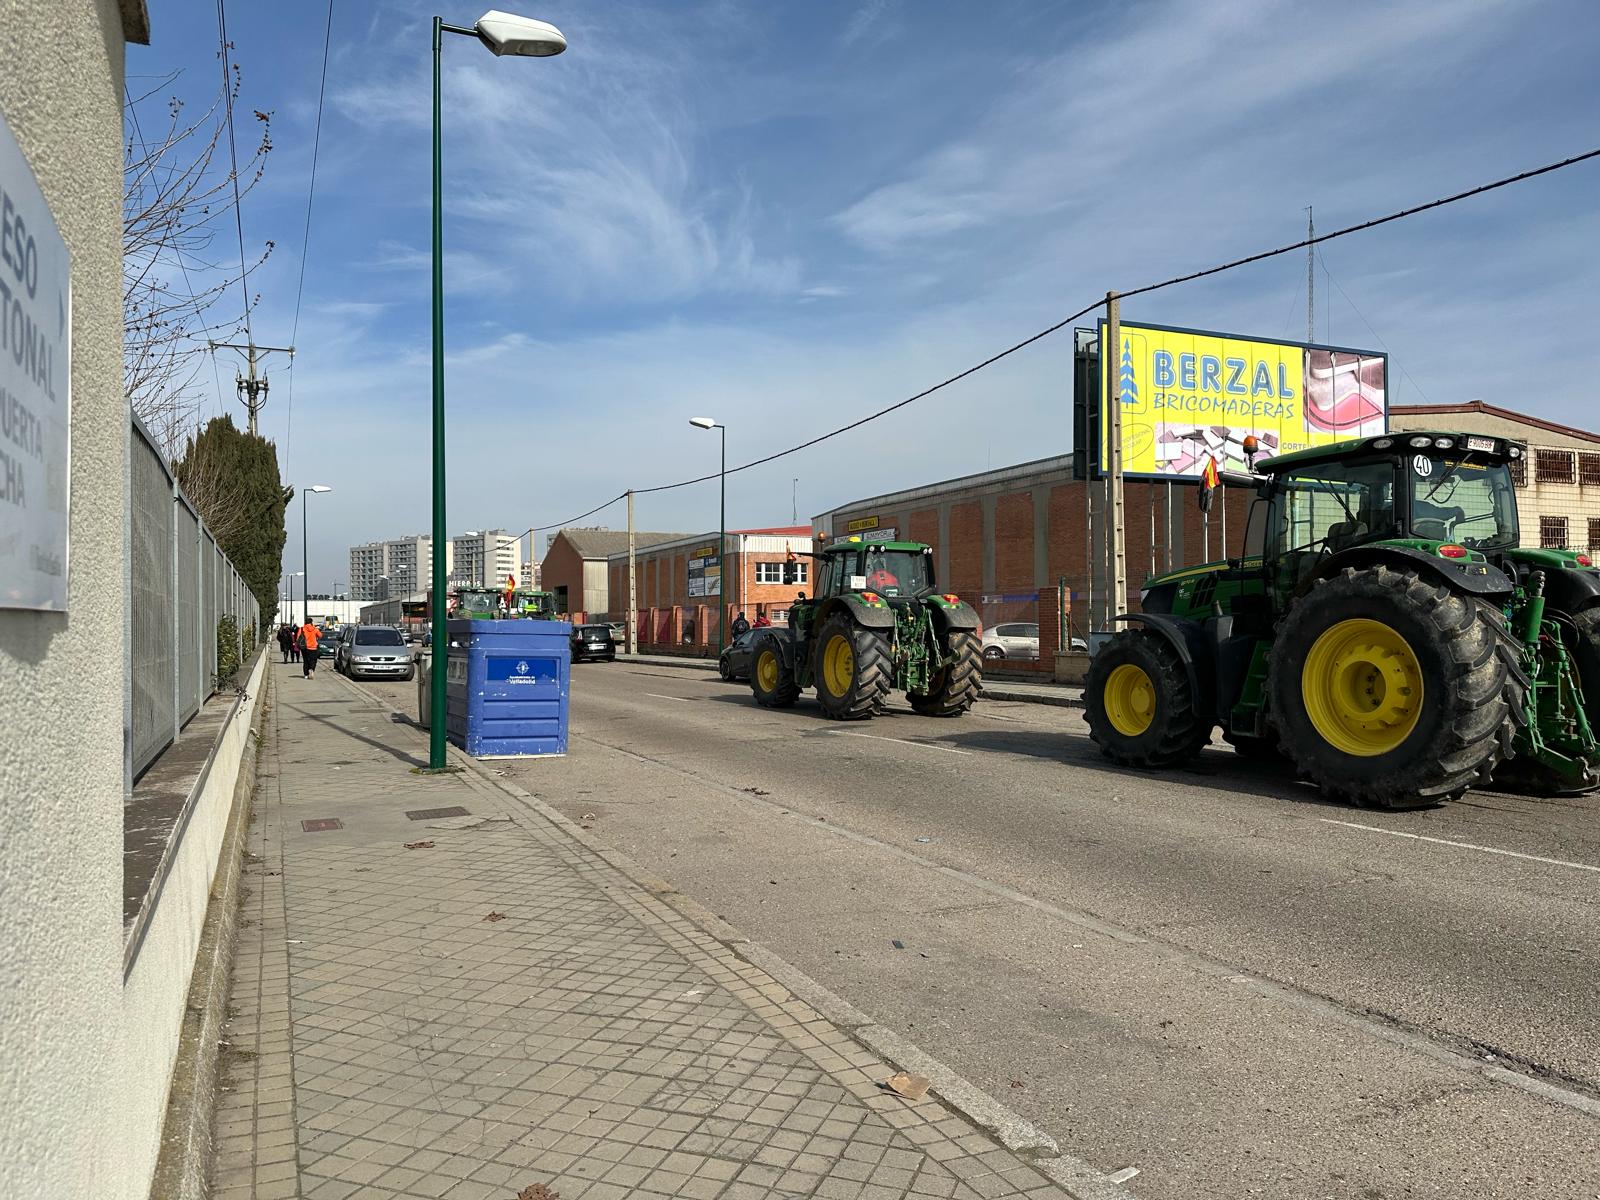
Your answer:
<point x="1383" y="629"/>
<point x="489" y="604"/>
<point x="877" y="622"/>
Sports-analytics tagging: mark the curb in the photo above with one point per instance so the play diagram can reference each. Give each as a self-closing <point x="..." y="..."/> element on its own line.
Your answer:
<point x="187" y="1129"/>
<point x="962" y="1097"/>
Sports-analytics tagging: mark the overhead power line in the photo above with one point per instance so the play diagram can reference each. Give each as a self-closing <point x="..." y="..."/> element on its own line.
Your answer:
<point x="233" y="159"/>
<point x="305" y="239"/>
<point x="1174" y="281"/>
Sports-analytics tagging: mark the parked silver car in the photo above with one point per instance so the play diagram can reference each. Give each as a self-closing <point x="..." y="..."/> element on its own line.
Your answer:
<point x="1011" y="639"/>
<point x="374" y="651"/>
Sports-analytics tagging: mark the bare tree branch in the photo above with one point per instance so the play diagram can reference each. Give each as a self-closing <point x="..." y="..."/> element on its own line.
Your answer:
<point x="175" y="190"/>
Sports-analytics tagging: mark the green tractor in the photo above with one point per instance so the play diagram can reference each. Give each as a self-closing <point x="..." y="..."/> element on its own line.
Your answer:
<point x="1383" y="629"/>
<point x="877" y="622"/>
<point x="489" y="604"/>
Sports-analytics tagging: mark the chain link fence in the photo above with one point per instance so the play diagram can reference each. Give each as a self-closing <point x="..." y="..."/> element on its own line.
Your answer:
<point x="180" y="588"/>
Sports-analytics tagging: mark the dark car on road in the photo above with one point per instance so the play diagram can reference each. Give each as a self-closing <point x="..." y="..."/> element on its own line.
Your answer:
<point x="734" y="661"/>
<point x="593" y="641"/>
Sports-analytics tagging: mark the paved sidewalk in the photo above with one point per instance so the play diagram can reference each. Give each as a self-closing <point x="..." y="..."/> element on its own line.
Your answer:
<point x="501" y="1007"/>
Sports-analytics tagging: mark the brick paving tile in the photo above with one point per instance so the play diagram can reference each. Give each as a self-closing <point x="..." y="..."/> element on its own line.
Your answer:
<point x="386" y="1041"/>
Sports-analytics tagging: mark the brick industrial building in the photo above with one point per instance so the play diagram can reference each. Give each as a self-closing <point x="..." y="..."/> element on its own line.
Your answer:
<point x="574" y="566"/>
<point x="683" y="573"/>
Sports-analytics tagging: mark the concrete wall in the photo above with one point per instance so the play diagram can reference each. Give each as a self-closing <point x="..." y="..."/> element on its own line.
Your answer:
<point x="154" y="994"/>
<point x="62" y="752"/>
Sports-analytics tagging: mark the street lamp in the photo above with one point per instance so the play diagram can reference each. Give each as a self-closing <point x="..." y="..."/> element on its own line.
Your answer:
<point x="722" y="534"/>
<point x="288" y="588"/>
<point x="305" y="549"/>
<point x="502" y="34"/>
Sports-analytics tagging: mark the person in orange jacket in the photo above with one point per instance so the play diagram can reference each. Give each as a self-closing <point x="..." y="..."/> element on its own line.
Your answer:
<point x="310" y="638"/>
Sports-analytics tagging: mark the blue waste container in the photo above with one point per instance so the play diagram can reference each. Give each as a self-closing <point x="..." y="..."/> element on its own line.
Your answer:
<point x="507" y="686"/>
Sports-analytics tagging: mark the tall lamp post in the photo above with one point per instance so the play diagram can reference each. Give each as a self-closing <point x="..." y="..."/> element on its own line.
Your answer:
<point x="305" y="550"/>
<point x="289" y="590"/>
<point x="722" y="533"/>
<point x="502" y="34"/>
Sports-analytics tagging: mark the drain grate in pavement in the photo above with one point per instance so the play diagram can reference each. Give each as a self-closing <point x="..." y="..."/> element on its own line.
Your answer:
<point x="433" y="814"/>
<point x="321" y="825"/>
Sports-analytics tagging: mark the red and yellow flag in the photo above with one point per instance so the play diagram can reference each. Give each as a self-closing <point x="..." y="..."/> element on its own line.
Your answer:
<point x="1208" y="480"/>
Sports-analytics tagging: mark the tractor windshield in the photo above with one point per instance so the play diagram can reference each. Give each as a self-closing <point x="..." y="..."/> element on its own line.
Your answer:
<point x="897" y="572"/>
<point x="1459" y="500"/>
<point x="1332" y="506"/>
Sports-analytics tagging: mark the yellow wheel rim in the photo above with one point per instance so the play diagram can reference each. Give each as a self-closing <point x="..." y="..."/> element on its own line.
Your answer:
<point x="839" y="664"/>
<point x="767" y="671"/>
<point x="1130" y="700"/>
<point x="1362" y="687"/>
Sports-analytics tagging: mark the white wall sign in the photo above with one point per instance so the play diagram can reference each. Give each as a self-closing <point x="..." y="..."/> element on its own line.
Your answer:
<point x="35" y="390"/>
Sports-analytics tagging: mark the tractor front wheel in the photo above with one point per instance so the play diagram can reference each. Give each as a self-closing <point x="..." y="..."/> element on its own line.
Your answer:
<point x="1139" y="705"/>
<point x="954" y="687"/>
<point x="770" y="677"/>
<point x="1387" y="689"/>
<point x="852" y="670"/>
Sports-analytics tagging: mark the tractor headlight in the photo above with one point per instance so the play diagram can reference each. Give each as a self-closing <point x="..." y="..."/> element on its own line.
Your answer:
<point x="1515" y="452"/>
<point x="1444" y="443"/>
<point x="1420" y="443"/>
<point x="1383" y="443"/>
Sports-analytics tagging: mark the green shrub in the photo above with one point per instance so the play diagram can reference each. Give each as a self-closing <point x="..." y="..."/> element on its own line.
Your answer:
<point x="227" y="649"/>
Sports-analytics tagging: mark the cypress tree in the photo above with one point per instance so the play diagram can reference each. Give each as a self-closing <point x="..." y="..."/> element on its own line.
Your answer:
<point x="231" y="477"/>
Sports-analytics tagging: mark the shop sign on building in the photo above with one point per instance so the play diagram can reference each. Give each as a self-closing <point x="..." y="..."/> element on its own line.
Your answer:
<point x="35" y="390"/>
<point x="705" y="570"/>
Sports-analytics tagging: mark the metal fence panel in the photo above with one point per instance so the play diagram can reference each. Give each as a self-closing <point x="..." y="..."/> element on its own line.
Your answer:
<point x="191" y="687"/>
<point x="151" y="650"/>
<point x="208" y="609"/>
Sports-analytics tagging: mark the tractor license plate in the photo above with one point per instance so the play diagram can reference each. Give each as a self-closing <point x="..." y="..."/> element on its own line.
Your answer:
<point x="1474" y="443"/>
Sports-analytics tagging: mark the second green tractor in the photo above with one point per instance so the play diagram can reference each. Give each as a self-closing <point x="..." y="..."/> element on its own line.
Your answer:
<point x="1384" y="629"/>
<point x="877" y="622"/>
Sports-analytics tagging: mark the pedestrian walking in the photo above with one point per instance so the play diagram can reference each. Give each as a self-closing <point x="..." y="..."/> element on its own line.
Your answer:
<point x="285" y="639"/>
<point x="740" y="626"/>
<point x="310" y="644"/>
<point x="762" y="621"/>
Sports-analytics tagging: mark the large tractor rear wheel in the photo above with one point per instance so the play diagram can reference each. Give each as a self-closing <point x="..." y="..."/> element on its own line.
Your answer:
<point x="1387" y="689"/>
<point x="1140" y="707"/>
<point x="770" y="677"/>
<point x="954" y="687"/>
<point x="852" y="670"/>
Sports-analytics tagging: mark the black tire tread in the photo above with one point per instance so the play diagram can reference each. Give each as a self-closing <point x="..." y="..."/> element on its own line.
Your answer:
<point x="869" y="690"/>
<point x="787" y="691"/>
<point x="958" y="683"/>
<point x="1484" y="693"/>
<point x="1183" y="730"/>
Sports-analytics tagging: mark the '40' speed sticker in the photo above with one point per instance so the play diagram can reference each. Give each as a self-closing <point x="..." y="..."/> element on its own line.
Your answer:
<point x="1422" y="465"/>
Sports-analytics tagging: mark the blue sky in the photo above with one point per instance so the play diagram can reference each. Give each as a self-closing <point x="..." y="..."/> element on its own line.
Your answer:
<point x="785" y="216"/>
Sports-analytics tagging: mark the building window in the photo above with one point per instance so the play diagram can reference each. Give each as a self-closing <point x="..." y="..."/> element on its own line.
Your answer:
<point x="1594" y="535"/>
<point x="1552" y="532"/>
<point x="1519" y="470"/>
<point x="1589" y="469"/>
<point x="772" y="572"/>
<point x="1552" y="466"/>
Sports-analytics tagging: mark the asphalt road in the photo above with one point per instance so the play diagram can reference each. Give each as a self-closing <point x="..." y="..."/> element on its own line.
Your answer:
<point x="1210" y="974"/>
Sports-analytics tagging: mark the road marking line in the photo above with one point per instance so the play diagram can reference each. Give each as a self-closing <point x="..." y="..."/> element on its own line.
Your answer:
<point x="902" y="741"/>
<point x="659" y="696"/>
<point x="1554" y="862"/>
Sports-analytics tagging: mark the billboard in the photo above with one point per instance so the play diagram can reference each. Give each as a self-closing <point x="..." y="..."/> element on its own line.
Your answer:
<point x="1189" y="395"/>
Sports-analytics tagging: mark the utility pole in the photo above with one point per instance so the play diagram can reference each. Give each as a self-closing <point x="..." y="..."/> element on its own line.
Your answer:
<point x="1311" y="278"/>
<point x="1116" y="533"/>
<point x="633" y="589"/>
<point x="794" y="502"/>
<point x="252" y="388"/>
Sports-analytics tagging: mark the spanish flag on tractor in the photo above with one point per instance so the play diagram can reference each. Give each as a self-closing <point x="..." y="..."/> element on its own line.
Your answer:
<point x="1208" y="480"/>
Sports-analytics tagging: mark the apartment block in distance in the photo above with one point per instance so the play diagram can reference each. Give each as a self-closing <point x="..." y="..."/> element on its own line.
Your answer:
<point x="485" y="558"/>
<point x="395" y="567"/>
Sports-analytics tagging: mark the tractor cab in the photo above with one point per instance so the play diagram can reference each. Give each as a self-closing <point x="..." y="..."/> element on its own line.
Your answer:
<point x="891" y="570"/>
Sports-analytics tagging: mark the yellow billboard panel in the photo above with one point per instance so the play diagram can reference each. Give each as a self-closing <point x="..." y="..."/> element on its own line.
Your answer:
<point x="1188" y="396"/>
